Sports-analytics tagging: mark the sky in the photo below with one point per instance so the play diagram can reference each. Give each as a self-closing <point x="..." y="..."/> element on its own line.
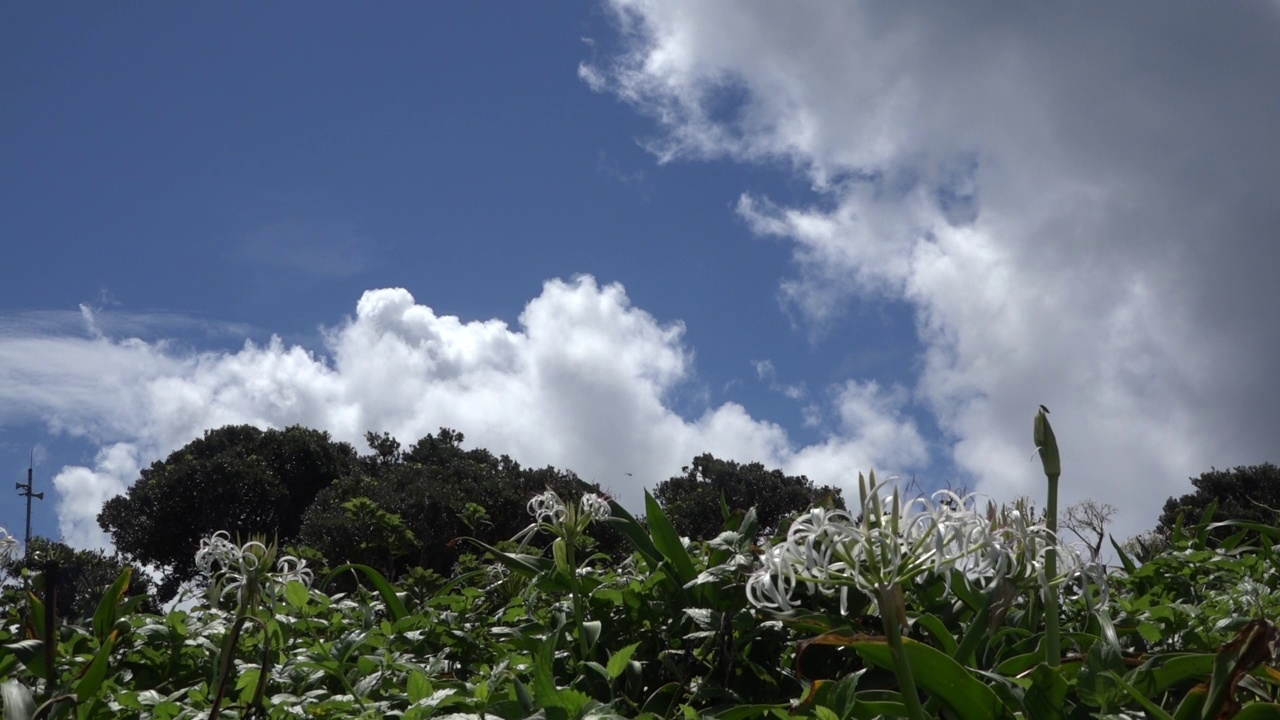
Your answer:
<point x="611" y="236"/>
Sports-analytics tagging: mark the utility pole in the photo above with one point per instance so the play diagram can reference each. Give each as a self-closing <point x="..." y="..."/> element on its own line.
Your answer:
<point x="25" y="491"/>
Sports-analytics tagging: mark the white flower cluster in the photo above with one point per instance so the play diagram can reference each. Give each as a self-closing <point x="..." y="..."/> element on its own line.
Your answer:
<point x="549" y="508"/>
<point x="595" y="506"/>
<point x="828" y="552"/>
<point x="247" y="569"/>
<point x="8" y="547"/>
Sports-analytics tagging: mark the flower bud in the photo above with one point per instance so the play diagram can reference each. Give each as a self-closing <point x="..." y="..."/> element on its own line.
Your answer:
<point x="1047" y="445"/>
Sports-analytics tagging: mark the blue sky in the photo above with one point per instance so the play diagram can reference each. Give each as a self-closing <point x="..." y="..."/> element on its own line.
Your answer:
<point x="926" y="224"/>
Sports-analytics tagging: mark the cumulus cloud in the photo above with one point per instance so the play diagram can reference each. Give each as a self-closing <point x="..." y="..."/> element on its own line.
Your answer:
<point x="82" y="491"/>
<point x="585" y="383"/>
<point x="1078" y="203"/>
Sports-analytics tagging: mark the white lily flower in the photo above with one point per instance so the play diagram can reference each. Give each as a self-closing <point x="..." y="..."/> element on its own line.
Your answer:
<point x="548" y="508"/>
<point x="595" y="506"/>
<point x="895" y="542"/>
<point x="245" y="570"/>
<point x="8" y="547"/>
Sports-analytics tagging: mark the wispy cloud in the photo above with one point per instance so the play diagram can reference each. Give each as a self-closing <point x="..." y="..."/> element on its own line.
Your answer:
<point x="307" y="247"/>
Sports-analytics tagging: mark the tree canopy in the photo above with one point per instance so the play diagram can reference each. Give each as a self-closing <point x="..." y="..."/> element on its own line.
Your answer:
<point x="692" y="500"/>
<point x="237" y="478"/>
<point x="403" y="508"/>
<point x="82" y="576"/>
<point x="1248" y="493"/>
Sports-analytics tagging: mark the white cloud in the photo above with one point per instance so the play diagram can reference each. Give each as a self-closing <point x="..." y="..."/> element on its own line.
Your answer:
<point x="584" y="383"/>
<point x="1078" y="203"/>
<point x="82" y="491"/>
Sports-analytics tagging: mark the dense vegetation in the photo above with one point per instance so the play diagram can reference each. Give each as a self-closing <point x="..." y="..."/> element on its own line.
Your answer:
<point x="924" y="608"/>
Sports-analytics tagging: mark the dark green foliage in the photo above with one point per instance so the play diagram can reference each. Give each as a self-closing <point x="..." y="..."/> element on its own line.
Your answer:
<point x="434" y="492"/>
<point x="1247" y="493"/>
<point x="692" y="500"/>
<point x="82" y="576"/>
<point x="236" y="478"/>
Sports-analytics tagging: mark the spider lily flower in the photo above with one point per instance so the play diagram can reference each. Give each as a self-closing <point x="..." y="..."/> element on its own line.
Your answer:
<point x="826" y="551"/>
<point x="595" y="506"/>
<point x="548" y="508"/>
<point x="246" y="571"/>
<point x="551" y="513"/>
<point x="8" y="546"/>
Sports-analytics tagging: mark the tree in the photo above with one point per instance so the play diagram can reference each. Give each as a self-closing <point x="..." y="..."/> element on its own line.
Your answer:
<point x="82" y="576"/>
<point x="413" y="504"/>
<point x="692" y="500"/>
<point x="236" y="478"/>
<point x="1088" y="520"/>
<point x="1248" y="493"/>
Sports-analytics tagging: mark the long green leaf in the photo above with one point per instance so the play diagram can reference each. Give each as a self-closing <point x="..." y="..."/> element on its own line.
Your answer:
<point x="1125" y="560"/>
<point x="384" y="588"/>
<point x="31" y="654"/>
<point x="938" y="630"/>
<point x="1046" y="698"/>
<point x="667" y="540"/>
<point x="1162" y="672"/>
<point x="1152" y="709"/>
<point x="96" y="670"/>
<point x="635" y="532"/>
<point x="937" y="674"/>
<point x="1259" y="711"/>
<point x="18" y="703"/>
<point x="105" y="616"/>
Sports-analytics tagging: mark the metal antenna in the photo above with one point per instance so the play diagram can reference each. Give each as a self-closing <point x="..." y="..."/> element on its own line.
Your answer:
<point x="25" y="491"/>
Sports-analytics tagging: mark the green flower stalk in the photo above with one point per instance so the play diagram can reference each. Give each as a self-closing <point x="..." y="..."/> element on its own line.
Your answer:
<point x="1047" y="447"/>
<point x="254" y="574"/>
<point x="568" y="522"/>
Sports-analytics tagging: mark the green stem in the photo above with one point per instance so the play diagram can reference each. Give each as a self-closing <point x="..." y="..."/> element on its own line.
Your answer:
<point x="889" y="611"/>
<point x="1052" y="649"/>
<point x="577" y="598"/>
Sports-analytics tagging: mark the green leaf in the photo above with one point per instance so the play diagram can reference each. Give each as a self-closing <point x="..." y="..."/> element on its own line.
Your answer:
<point x="105" y="616"/>
<point x="97" y="669"/>
<point x="618" y="661"/>
<point x="744" y="712"/>
<point x="662" y="700"/>
<point x="1094" y="683"/>
<point x="419" y="686"/>
<point x="247" y="682"/>
<point x="384" y="588"/>
<point x="1202" y="532"/>
<point x="545" y="692"/>
<point x="938" y="630"/>
<point x="1259" y="711"/>
<point x="31" y="654"/>
<point x="1192" y="704"/>
<point x="528" y="566"/>
<point x="1162" y="672"/>
<point x="667" y="540"/>
<point x="592" y="628"/>
<point x="296" y="594"/>
<point x="635" y="532"/>
<point x="938" y="674"/>
<point x="1125" y="560"/>
<point x="1152" y="709"/>
<point x="18" y="703"/>
<point x="1047" y="696"/>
